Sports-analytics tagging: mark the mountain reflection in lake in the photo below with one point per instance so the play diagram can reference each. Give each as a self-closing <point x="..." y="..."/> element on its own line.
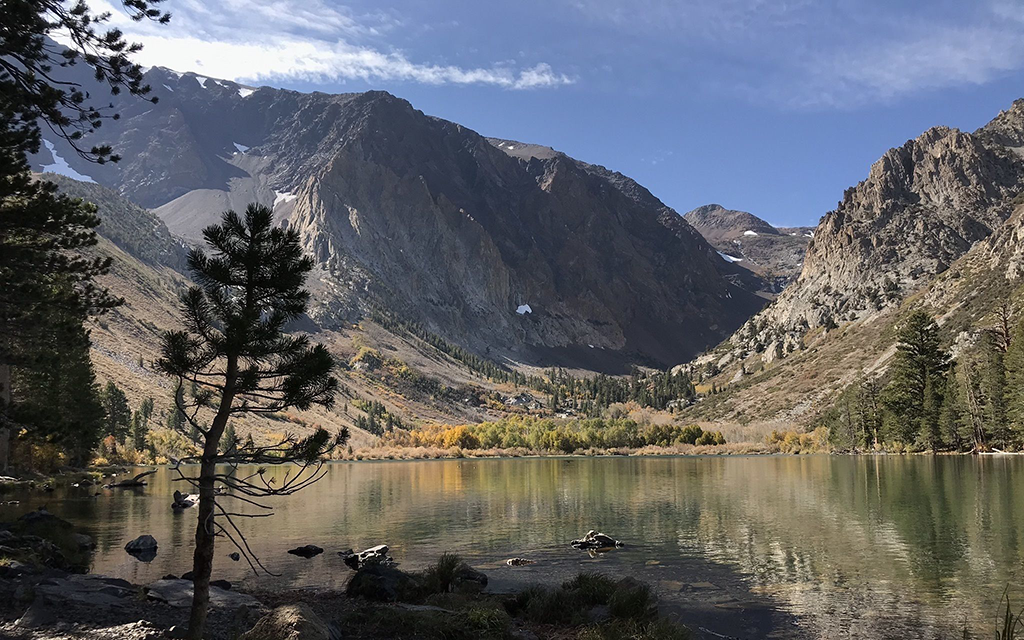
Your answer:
<point x="868" y="547"/>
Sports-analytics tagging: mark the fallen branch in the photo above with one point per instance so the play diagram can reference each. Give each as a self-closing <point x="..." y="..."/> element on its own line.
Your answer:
<point x="137" y="481"/>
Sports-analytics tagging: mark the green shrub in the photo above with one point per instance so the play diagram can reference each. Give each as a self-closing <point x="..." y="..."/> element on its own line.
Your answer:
<point x="440" y="576"/>
<point x="590" y="588"/>
<point x="690" y="435"/>
<point x="631" y="599"/>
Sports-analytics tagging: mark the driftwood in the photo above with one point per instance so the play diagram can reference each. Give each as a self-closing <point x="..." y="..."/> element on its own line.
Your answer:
<point x="137" y="481"/>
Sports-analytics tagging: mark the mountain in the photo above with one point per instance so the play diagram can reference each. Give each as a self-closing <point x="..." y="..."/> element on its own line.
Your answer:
<point x="774" y="254"/>
<point x="936" y="225"/>
<point x="133" y="229"/>
<point x="510" y="250"/>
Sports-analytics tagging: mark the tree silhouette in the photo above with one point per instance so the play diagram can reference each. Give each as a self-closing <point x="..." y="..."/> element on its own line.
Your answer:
<point x="235" y="353"/>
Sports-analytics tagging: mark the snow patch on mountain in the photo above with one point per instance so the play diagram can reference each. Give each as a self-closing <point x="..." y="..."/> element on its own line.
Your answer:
<point x="283" y="196"/>
<point x="61" y="166"/>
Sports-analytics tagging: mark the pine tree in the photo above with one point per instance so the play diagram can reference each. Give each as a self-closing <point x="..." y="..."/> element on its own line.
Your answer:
<point x="993" y="389"/>
<point x="919" y="364"/>
<point x="58" y="398"/>
<point x="42" y="234"/>
<point x="119" y="415"/>
<point x="931" y="408"/>
<point x="176" y="417"/>
<point x="953" y="419"/>
<point x="1014" y="364"/>
<point x="235" y="351"/>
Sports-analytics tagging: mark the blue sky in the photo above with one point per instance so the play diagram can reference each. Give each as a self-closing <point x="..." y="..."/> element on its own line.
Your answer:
<point x="771" y="106"/>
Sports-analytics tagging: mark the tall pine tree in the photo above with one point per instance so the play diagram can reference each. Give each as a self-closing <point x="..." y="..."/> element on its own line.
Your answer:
<point x="42" y="235"/>
<point x="917" y="375"/>
<point x="234" y="350"/>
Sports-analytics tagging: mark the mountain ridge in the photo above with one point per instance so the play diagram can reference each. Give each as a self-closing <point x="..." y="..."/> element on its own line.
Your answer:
<point x="434" y="221"/>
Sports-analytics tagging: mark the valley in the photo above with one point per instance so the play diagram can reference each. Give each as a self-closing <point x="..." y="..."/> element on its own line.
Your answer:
<point x="455" y="382"/>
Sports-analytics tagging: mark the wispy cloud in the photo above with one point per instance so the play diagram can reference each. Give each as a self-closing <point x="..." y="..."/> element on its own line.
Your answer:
<point x="266" y="40"/>
<point x="846" y="53"/>
<point x="945" y="57"/>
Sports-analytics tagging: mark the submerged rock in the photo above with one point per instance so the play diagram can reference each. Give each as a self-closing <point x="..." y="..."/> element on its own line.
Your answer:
<point x="518" y="562"/>
<point x="596" y="541"/>
<point x="307" y="551"/>
<point x="289" y="622"/>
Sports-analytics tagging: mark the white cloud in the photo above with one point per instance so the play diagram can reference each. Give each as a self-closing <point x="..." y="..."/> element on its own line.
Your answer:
<point x="265" y="40"/>
<point x="288" y="58"/>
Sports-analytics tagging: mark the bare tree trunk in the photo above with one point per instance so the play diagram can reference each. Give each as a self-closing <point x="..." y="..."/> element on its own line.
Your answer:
<point x="5" y="431"/>
<point x="202" y="558"/>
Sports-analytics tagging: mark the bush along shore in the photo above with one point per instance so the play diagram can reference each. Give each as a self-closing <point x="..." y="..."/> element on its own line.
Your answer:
<point x="45" y="592"/>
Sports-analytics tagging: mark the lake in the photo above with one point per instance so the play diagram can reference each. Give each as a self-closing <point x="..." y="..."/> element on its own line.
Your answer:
<point x="763" y="546"/>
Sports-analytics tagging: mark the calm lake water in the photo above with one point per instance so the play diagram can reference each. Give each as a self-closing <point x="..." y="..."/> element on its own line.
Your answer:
<point x="864" y="547"/>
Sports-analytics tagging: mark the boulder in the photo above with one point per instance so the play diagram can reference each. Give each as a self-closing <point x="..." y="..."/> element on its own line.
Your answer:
<point x="372" y="556"/>
<point x="142" y="548"/>
<point x="84" y="542"/>
<point x="307" y="551"/>
<point x="93" y="590"/>
<point x="384" y="583"/>
<point x="289" y="622"/>
<point x="234" y="556"/>
<point x="596" y="541"/>
<point x="142" y="543"/>
<point x="466" y="579"/>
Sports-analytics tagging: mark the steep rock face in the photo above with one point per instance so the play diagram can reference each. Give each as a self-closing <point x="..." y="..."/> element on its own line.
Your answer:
<point x="922" y="206"/>
<point x="748" y="242"/>
<point x="463" y="234"/>
<point x="518" y="252"/>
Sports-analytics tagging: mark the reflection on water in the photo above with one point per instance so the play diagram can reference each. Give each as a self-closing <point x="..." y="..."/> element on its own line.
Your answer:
<point x="859" y="547"/>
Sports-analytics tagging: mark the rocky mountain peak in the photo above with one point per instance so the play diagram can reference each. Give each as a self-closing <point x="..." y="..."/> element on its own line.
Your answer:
<point x="1007" y="128"/>
<point x="922" y="206"/>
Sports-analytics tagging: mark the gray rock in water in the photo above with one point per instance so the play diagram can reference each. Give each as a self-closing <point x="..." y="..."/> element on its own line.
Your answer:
<point x="307" y="551"/>
<point x="84" y="541"/>
<point x="141" y="543"/>
<point x="595" y="541"/>
<point x="235" y="556"/>
<point x="290" y="622"/>
<point x="142" y="548"/>
<point x="373" y="556"/>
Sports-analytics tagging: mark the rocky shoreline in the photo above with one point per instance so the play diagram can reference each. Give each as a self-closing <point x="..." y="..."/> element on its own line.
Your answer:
<point x="45" y="593"/>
